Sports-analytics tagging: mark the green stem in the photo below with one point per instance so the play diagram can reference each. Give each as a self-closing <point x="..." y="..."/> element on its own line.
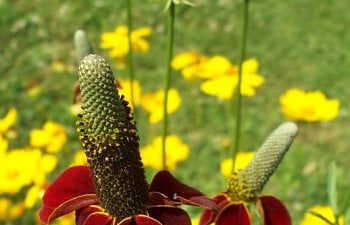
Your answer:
<point x="130" y="64"/>
<point x="242" y="52"/>
<point x="167" y="80"/>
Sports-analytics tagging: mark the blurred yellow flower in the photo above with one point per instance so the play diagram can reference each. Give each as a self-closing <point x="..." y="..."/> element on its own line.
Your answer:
<point x="242" y="161"/>
<point x="216" y="66"/>
<point x="224" y="82"/>
<point x="33" y="195"/>
<point x="117" y="41"/>
<point x="153" y="103"/>
<point x="52" y="136"/>
<point x="79" y="158"/>
<point x="299" y="105"/>
<point x="325" y="211"/>
<point x="176" y="151"/>
<point x="9" y="210"/>
<point x="125" y="89"/>
<point x="189" y="63"/>
<point x="8" y="120"/>
<point x="22" y="167"/>
<point x="3" y="146"/>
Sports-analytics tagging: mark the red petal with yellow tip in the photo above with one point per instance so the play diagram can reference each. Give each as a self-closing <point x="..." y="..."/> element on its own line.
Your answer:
<point x="139" y="220"/>
<point x="82" y="214"/>
<point x="165" y="183"/>
<point x="98" y="218"/>
<point x="273" y="211"/>
<point x="169" y="215"/>
<point x="233" y="214"/>
<point x="207" y="216"/>
<point x="72" y="190"/>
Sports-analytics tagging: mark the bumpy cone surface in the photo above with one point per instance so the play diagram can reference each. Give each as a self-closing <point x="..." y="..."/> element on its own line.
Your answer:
<point x="245" y="184"/>
<point x="109" y="137"/>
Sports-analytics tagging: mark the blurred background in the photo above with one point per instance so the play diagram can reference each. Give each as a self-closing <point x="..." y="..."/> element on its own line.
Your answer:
<point x="297" y="44"/>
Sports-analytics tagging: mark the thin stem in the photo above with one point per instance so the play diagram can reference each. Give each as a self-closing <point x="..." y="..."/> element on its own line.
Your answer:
<point x="130" y="64"/>
<point x="167" y="80"/>
<point x="239" y="85"/>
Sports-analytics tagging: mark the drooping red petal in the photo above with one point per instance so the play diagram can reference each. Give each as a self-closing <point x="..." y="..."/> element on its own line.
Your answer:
<point x="139" y="220"/>
<point x="165" y="183"/>
<point x="273" y="211"/>
<point x="208" y="216"/>
<point x="233" y="214"/>
<point x="169" y="215"/>
<point x="82" y="214"/>
<point x="98" y="218"/>
<point x="72" y="190"/>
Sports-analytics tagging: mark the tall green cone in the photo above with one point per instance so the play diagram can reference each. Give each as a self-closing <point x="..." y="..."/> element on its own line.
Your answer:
<point x="245" y="184"/>
<point x="82" y="45"/>
<point x="109" y="137"/>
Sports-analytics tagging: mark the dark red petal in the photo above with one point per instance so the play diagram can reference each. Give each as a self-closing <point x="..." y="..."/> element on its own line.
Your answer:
<point x="273" y="211"/>
<point x="83" y="213"/>
<point x="157" y="198"/>
<point x="233" y="214"/>
<point x="208" y="216"/>
<point x="169" y="215"/>
<point x="168" y="185"/>
<point x="72" y="190"/>
<point x="139" y="220"/>
<point x="98" y="218"/>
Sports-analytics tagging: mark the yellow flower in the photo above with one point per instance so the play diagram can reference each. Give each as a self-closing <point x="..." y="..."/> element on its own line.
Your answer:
<point x="9" y="210"/>
<point x="308" y="106"/>
<point x="79" y="158"/>
<point x="153" y="103"/>
<point x="189" y="63"/>
<point x="117" y="41"/>
<point x="8" y="121"/>
<point x="3" y="146"/>
<point x="176" y="151"/>
<point x="242" y="160"/>
<point x="126" y="90"/>
<point x="32" y="196"/>
<point x="215" y="67"/>
<point x="224" y="82"/>
<point x="22" y="167"/>
<point x="52" y="136"/>
<point x="325" y="211"/>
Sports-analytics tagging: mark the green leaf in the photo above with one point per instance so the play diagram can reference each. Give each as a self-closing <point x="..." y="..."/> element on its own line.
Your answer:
<point x="332" y="188"/>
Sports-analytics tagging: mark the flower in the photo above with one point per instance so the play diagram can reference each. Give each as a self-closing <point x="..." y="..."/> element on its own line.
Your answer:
<point x="22" y="167"/>
<point x="117" y="41"/>
<point x="153" y="103"/>
<point x="244" y="185"/>
<point x="79" y="158"/>
<point x="113" y="188"/>
<point x="9" y="210"/>
<point x="299" y="105"/>
<point x="125" y="89"/>
<point x="189" y="63"/>
<point x="9" y="119"/>
<point x="52" y="136"/>
<point x="324" y="211"/>
<point x="242" y="160"/>
<point x="225" y="79"/>
<point x="176" y="151"/>
<point x="74" y="190"/>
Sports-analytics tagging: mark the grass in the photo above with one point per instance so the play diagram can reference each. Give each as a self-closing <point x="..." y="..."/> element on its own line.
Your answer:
<point x="298" y="44"/>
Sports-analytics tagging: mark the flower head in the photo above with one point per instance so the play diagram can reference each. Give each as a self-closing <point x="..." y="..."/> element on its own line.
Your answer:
<point x="113" y="189"/>
<point x="8" y="120"/>
<point x="118" y="44"/>
<point x="245" y="185"/>
<point x="153" y="103"/>
<point x="176" y="151"/>
<point x="52" y="136"/>
<point x="308" y="106"/>
<point x="224" y="78"/>
<point x="325" y="211"/>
